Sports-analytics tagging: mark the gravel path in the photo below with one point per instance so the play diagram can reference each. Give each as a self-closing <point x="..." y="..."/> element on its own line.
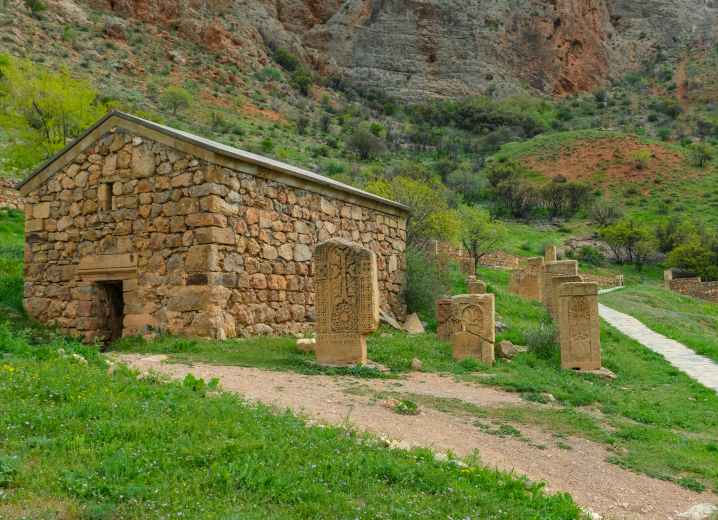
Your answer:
<point x="700" y="368"/>
<point x="583" y="471"/>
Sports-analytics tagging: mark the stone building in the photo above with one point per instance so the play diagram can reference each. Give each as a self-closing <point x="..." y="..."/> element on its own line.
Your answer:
<point x="138" y="224"/>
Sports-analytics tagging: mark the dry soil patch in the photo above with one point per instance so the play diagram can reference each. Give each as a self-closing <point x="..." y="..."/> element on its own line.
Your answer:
<point x="583" y="471"/>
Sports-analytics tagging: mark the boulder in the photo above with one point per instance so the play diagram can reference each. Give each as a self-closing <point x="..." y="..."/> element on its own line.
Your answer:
<point x="413" y="325"/>
<point x="416" y="365"/>
<point x="91" y="55"/>
<point x="505" y="349"/>
<point x="306" y="345"/>
<point x="703" y="511"/>
<point x="602" y="372"/>
<point x="115" y="27"/>
<point x="500" y="326"/>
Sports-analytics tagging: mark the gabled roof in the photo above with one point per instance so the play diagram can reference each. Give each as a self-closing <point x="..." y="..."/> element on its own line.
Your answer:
<point x="214" y="152"/>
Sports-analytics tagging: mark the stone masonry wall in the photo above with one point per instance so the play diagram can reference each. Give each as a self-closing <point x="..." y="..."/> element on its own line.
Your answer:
<point x="694" y="287"/>
<point x="220" y="252"/>
<point x="600" y="280"/>
<point x="9" y="196"/>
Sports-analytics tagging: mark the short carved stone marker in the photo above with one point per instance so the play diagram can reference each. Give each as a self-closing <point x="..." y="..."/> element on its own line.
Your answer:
<point x="515" y="280"/>
<point x="478" y="287"/>
<point x="467" y="266"/>
<point x="347" y="300"/>
<point x="474" y="314"/>
<point x="578" y="322"/>
<point x="550" y="253"/>
<point x="443" y="317"/>
<point x="530" y="288"/>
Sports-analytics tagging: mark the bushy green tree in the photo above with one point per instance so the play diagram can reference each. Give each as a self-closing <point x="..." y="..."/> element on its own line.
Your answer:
<point x="702" y="153"/>
<point x="423" y="283"/>
<point x="664" y="132"/>
<point x="302" y="80"/>
<point x="630" y="241"/>
<point x="365" y="144"/>
<point x="641" y="158"/>
<point x="35" y="6"/>
<point x="498" y="172"/>
<point x="286" y="59"/>
<point x="431" y="217"/>
<point x="43" y="111"/>
<point x="176" y="98"/>
<point x="480" y="234"/>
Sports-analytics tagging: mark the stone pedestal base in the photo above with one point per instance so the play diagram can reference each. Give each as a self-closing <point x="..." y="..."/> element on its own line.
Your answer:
<point x="341" y="348"/>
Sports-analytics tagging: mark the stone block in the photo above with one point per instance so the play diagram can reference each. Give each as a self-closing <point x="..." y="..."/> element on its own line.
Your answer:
<point x="556" y="281"/>
<point x="214" y="235"/>
<point x="205" y="219"/>
<point x="477" y="287"/>
<point x="444" y="330"/>
<point x="108" y="267"/>
<point x="465" y="344"/>
<point x="347" y="300"/>
<point x="132" y="323"/>
<point x="215" y="204"/>
<point x="550" y="253"/>
<point x="579" y="326"/>
<point x="143" y="162"/>
<point x="529" y="288"/>
<point x="41" y="210"/>
<point x="443" y="310"/>
<point x="413" y="324"/>
<point x="515" y="280"/>
<point x="564" y="267"/>
<point x="198" y="298"/>
<point x="467" y="266"/>
<point x="475" y="313"/>
<point x="202" y="258"/>
<point x="34" y="225"/>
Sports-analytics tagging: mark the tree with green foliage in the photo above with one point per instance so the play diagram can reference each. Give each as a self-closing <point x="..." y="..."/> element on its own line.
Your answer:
<point x="35" y="6"/>
<point x="431" y="218"/>
<point x="641" y="158"/>
<point x="43" y="111"/>
<point x="444" y="167"/>
<point x="698" y="257"/>
<point x="176" y="98"/>
<point x="500" y="171"/>
<point x="365" y="144"/>
<point x="480" y="234"/>
<point x="674" y="232"/>
<point x="269" y="74"/>
<point x="423" y="283"/>
<point x="630" y="241"/>
<point x="702" y="153"/>
<point x="605" y="212"/>
<point x="302" y="80"/>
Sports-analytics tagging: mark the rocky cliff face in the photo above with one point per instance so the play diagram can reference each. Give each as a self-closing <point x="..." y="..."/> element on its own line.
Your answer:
<point x="415" y="48"/>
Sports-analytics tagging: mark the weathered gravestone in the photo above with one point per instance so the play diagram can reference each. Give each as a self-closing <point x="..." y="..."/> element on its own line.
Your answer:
<point x="535" y="265"/>
<point x="467" y="266"/>
<point x="515" y="280"/>
<point x="550" y="253"/>
<point x="579" y="326"/>
<point x="443" y="317"/>
<point x="564" y="267"/>
<point x="347" y="300"/>
<point x="443" y="260"/>
<point x="556" y="282"/>
<point x="477" y="287"/>
<point x="473" y="314"/>
<point x="530" y="288"/>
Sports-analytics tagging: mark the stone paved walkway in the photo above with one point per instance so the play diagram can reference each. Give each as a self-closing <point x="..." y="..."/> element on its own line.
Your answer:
<point x="700" y="368"/>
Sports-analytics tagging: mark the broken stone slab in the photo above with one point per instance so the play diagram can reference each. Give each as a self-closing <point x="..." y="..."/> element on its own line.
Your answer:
<point x="505" y="349"/>
<point x="413" y="325"/>
<point x="306" y="345"/>
<point x="500" y="326"/>
<point x="386" y="318"/>
<point x="602" y="372"/>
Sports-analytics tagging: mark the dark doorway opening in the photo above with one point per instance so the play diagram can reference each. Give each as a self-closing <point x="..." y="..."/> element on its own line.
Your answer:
<point x="113" y="306"/>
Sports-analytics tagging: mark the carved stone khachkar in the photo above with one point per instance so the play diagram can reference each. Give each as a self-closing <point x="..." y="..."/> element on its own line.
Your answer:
<point x="477" y="287"/>
<point x="443" y="260"/>
<point x="473" y="316"/>
<point x="467" y="266"/>
<point x="443" y="317"/>
<point x="347" y="300"/>
<point x="515" y="280"/>
<point x="579" y="326"/>
<point x="550" y="253"/>
<point x="535" y="265"/>
<point x="564" y="267"/>
<point x="556" y="282"/>
<point x="530" y="288"/>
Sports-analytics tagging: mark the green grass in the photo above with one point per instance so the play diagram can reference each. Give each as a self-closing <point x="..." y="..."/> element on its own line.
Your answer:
<point x="12" y="239"/>
<point x="690" y="321"/>
<point x="99" y="446"/>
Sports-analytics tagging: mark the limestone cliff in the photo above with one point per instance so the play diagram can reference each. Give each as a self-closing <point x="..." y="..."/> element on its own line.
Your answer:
<point x="456" y="48"/>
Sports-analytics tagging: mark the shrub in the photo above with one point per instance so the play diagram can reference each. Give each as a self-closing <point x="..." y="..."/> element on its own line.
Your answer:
<point x="590" y="255"/>
<point x="424" y="283"/>
<point x="286" y="59"/>
<point x="641" y="158"/>
<point x="302" y="124"/>
<point x="267" y="144"/>
<point x="176" y="98"/>
<point x="664" y="132"/>
<point x="269" y="74"/>
<point x="365" y="144"/>
<point x="702" y="153"/>
<point x="376" y="129"/>
<point x="502" y="171"/>
<point x="35" y="6"/>
<point x="302" y="80"/>
<point x="542" y="341"/>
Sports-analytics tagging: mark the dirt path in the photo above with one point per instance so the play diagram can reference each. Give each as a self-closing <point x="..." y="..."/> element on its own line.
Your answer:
<point x="583" y="472"/>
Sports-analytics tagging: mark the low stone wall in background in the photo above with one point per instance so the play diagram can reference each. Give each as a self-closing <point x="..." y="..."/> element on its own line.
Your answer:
<point x="454" y="251"/>
<point x="9" y="196"/>
<point x="499" y="259"/>
<point x="601" y="281"/>
<point x="694" y="287"/>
